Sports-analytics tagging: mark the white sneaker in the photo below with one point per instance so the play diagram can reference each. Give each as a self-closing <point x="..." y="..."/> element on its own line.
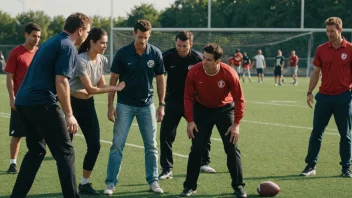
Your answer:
<point x="154" y="187"/>
<point x="207" y="169"/>
<point x="109" y="190"/>
<point x="165" y="174"/>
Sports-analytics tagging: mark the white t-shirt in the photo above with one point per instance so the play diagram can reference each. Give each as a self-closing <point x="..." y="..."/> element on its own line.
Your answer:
<point x="259" y="61"/>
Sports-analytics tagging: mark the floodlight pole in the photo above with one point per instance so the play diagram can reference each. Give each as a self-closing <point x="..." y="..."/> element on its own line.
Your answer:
<point x="302" y="14"/>
<point x="209" y="13"/>
<point x="112" y="32"/>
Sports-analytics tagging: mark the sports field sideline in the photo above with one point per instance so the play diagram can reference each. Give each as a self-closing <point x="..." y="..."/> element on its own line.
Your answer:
<point x="273" y="141"/>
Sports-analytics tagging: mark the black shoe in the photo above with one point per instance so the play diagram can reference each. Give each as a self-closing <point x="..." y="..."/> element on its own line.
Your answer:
<point x="346" y="173"/>
<point x="12" y="169"/>
<point x="165" y="174"/>
<point x="308" y="171"/>
<point x="87" y="189"/>
<point x="187" y="192"/>
<point x="239" y="192"/>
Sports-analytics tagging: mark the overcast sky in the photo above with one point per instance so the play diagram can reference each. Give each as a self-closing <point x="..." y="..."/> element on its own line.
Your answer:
<point x="89" y="7"/>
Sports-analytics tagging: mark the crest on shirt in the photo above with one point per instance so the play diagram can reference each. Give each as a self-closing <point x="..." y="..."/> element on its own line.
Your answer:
<point x="343" y="56"/>
<point x="150" y="63"/>
<point x="189" y="67"/>
<point x="221" y="84"/>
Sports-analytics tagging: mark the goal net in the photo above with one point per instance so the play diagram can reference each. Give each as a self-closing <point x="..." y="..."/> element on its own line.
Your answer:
<point x="246" y="41"/>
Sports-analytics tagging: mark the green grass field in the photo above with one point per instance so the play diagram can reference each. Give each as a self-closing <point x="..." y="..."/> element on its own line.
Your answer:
<point x="273" y="141"/>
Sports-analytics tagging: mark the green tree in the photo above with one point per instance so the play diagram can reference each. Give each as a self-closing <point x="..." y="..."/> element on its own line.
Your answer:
<point x="102" y="22"/>
<point x="38" y="17"/>
<point x="56" y="26"/>
<point x="186" y="13"/>
<point x="8" y="29"/>
<point x="144" y="11"/>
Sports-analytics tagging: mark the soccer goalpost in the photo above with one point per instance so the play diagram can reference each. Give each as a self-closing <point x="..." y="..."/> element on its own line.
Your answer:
<point x="247" y="39"/>
<point x="269" y="40"/>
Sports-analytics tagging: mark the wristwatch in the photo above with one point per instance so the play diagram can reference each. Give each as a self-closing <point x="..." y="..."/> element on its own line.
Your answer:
<point x="309" y="93"/>
<point x="162" y="104"/>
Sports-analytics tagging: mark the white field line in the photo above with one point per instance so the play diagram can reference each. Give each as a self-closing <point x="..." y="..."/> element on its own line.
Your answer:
<point x="134" y="145"/>
<point x="283" y="101"/>
<point x="277" y="104"/>
<point x="254" y="102"/>
<point x="6" y="115"/>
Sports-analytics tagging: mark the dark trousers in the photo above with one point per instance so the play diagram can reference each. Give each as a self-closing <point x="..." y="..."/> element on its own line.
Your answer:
<point x="174" y="111"/>
<point x="46" y="125"/>
<point x="325" y="107"/>
<point x="86" y="116"/>
<point x="205" y="119"/>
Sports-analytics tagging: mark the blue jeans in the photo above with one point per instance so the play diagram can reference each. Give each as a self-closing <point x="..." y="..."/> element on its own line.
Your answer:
<point x="147" y="125"/>
<point x="325" y="107"/>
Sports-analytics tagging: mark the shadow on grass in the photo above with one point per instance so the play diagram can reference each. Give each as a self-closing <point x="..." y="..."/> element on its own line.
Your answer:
<point x="179" y="175"/>
<point x="48" y="158"/>
<point x="290" y="177"/>
<point x="134" y="194"/>
<point x="51" y="195"/>
<point x="131" y="185"/>
<point x="3" y="173"/>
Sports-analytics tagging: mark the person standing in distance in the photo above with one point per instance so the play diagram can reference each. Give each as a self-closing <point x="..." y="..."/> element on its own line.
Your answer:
<point x="223" y="106"/>
<point x="334" y="60"/>
<point x="294" y="66"/>
<point x="177" y="63"/>
<point x="17" y="65"/>
<point x="136" y="64"/>
<point x="87" y="80"/>
<point x="246" y="64"/>
<point x="237" y="62"/>
<point x="278" y="68"/>
<point x="259" y="63"/>
<point x="46" y="121"/>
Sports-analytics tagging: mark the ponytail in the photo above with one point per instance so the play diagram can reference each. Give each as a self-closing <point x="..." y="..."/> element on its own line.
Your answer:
<point x="84" y="46"/>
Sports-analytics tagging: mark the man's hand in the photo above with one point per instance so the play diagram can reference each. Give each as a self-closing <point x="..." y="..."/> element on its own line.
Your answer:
<point x="111" y="113"/>
<point x="12" y="104"/>
<point x="191" y="126"/>
<point x="310" y="100"/>
<point x="234" y="130"/>
<point x="160" y="112"/>
<point x="72" y="125"/>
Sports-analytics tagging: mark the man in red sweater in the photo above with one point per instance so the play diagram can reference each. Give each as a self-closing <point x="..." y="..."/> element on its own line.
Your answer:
<point x="213" y="96"/>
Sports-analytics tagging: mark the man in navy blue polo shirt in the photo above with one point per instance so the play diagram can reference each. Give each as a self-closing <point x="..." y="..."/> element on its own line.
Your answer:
<point x="136" y="64"/>
<point x="44" y="120"/>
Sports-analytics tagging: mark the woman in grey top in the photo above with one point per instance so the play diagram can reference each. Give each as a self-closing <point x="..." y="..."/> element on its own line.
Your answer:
<point x="87" y="80"/>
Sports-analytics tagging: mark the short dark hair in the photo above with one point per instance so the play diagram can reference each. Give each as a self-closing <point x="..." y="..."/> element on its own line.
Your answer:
<point x="215" y="50"/>
<point x="142" y="25"/>
<point x="334" y="21"/>
<point x="75" y="21"/>
<point x="238" y="50"/>
<point x="31" y="27"/>
<point x="185" y="36"/>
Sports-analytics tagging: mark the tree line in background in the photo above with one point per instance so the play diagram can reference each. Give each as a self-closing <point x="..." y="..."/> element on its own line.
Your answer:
<point x="194" y="13"/>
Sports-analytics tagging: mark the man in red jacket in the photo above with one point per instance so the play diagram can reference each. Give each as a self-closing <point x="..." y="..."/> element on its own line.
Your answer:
<point x="213" y="96"/>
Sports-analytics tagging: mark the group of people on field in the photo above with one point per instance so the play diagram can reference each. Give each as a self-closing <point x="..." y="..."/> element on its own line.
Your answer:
<point x="243" y="64"/>
<point x="51" y="92"/>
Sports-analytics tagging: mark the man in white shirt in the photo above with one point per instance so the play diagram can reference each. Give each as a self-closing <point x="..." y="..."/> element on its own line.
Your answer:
<point x="259" y="63"/>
